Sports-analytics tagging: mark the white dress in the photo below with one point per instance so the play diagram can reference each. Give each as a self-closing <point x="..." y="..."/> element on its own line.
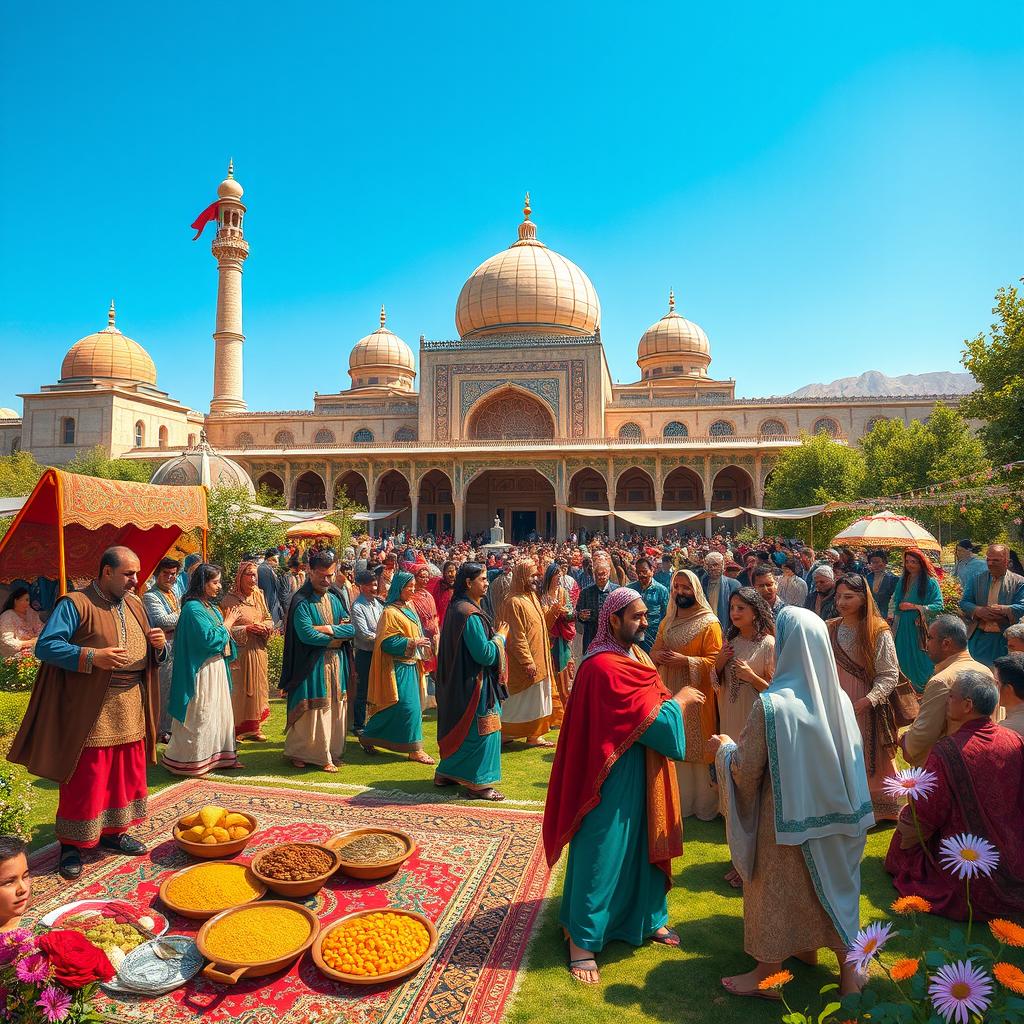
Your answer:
<point x="205" y="741"/>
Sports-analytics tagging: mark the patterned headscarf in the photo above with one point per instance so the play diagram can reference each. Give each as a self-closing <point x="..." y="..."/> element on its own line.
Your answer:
<point x="398" y="584"/>
<point x="603" y="640"/>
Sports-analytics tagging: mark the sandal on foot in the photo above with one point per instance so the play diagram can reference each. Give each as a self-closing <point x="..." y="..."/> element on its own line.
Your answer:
<point x="576" y="971"/>
<point x="442" y="780"/>
<point x="541" y="743"/>
<point x="331" y="769"/>
<point x="485" y="794"/>
<point x="297" y="763"/>
<point x="770" y="994"/>
<point x="368" y="748"/>
<point x="733" y="878"/>
<point x="667" y="938"/>
<point x="422" y="758"/>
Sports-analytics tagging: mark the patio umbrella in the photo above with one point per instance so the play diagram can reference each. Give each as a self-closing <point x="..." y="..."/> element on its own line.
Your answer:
<point x="887" y="530"/>
<point x="318" y="529"/>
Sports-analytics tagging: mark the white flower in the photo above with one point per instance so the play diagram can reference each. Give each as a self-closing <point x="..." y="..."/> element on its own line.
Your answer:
<point x="967" y="856"/>
<point x="913" y="783"/>
<point x="868" y="944"/>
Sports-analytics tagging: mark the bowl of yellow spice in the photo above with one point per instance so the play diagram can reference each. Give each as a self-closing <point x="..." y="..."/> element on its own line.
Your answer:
<point x="202" y="890"/>
<point x="252" y="941"/>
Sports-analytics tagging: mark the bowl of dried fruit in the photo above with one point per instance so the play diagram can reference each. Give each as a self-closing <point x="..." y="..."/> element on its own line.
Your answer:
<point x="370" y="853"/>
<point x="214" y="832"/>
<point x="295" y="869"/>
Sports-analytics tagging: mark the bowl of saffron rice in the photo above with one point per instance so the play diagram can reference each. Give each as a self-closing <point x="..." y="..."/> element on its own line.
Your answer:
<point x="371" y="853"/>
<point x="202" y="890"/>
<point x="255" y="940"/>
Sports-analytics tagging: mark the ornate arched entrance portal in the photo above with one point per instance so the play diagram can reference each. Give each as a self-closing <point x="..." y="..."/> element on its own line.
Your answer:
<point x="310" y="492"/>
<point x="522" y="498"/>
<point x="393" y="495"/>
<point x="732" y="487"/>
<point x="271" y="482"/>
<point x="588" y="489"/>
<point x="353" y="486"/>
<point x="436" y="510"/>
<point x="510" y="414"/>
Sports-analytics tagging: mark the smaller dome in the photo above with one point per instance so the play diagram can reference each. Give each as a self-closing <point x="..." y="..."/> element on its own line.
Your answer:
<point x="8" y="414"/>
<point x="201" y="465"/>
<point x="229" y="188"/>
<point x="673" y="336"/>
<point x="108" y="355"/>
<point x="382" y="351"/>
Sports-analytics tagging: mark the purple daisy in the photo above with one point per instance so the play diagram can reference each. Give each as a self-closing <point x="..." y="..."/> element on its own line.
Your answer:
<point x="960" y="990"/>
<point x="32" y="969"/>
<point x="867" y="945"/>
<point x="913" y="783"/>
<point x="968" y="856"/>
<point x="55" y="1003"/>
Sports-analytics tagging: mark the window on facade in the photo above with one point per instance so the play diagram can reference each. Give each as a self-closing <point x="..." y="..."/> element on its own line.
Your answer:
<point x="191" y="440"/>
<point x="630" y="432"/>
<point x="658" y="371"/>
<point x="163" y="437"/>
<point x="362" y="436"/>
<point x="285" y="437"/>
<point x="405" y="434"/>
<point x="827" y="425"/>
<point x="773" y="428"/>
<point x="675" y="429"/>
<point x="244" y="440"/>
<point x="373" y="380"/>
<point x="16" y="444"/>
<point x="324" y="437"/>
<point x="721" y="428"/>
<point x="67" y="430"/>
<point x="140" y="434"/>
<point x="695" y="369"/>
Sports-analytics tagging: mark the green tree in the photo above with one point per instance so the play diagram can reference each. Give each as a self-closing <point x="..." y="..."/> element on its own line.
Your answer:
<point x="341" y="516"/>
<point x="817" y="471"/>
<point x="997" y="363"/>
<point x="900" y="458"/>
<point x="237" y="530"/>
<point x="19" y="473"/>
<point x="96" y="462"/>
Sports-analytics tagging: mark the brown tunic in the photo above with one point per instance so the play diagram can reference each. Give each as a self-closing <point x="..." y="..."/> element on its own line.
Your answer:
<point x="65" y="707"/>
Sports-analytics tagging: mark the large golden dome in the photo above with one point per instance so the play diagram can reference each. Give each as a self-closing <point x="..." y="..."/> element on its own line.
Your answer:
<point x="381" y="358"/>
<point x="674" y="347"/>
<point x="108" y="355"/>
<point x="527" y="288"/>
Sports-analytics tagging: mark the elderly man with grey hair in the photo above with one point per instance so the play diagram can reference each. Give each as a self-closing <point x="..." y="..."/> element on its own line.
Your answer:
<point x="1014" y="637"/>
<point x="821" y="597"/>
<point x="718" y="587"/>
<point x="979" y="790"/>
<point x="947" y="647"/>
<point x="994" y="601"/>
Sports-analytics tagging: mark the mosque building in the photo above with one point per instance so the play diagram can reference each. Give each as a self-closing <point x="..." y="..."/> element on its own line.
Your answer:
<point x="516" y="417"/>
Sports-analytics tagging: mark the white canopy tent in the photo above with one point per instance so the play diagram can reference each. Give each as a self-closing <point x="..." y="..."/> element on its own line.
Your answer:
<point x="654" y="519"/>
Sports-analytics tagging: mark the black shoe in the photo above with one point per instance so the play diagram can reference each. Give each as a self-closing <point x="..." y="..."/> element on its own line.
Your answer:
<point x="70" y="864"/>
<point x="123" y="843"/>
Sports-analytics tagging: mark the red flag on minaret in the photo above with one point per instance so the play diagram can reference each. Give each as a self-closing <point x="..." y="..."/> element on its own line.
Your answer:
<point x="210" y="213"/>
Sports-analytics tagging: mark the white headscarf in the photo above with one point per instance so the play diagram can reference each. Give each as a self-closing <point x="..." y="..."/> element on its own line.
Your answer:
<point x="700" y="608"/>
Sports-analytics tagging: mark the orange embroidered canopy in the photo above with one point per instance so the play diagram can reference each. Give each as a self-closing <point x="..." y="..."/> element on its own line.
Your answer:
<point x="69" y="520"/>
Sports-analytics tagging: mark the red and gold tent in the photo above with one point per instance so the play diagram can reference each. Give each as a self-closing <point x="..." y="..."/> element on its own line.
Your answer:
<point x="69" y="520"/>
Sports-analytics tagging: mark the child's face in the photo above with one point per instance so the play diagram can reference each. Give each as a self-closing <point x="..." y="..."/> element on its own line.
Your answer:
<point x="15" y="887"/>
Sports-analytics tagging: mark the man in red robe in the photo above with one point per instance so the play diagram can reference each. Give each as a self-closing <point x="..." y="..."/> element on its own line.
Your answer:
<point x="980" y="790"/>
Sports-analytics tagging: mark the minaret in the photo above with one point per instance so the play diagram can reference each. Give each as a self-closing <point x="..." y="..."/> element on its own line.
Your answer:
<point x="230" y="249"/>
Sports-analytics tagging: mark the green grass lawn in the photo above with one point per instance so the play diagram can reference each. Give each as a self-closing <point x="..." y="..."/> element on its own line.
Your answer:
<point x="640" y="986"/>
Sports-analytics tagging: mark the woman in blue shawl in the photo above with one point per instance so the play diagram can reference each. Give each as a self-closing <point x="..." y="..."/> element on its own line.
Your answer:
<point x="396" y="693"/>
<point x="797" y="809"/>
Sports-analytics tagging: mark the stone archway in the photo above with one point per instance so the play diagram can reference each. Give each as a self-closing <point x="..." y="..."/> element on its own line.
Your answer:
<point x="588" y="489"/>
<point x="310" y="491"/>
<point x="510" y="414"/>
<point x="683" y="490"/>
<point x="732" y="486"/>
<point x="522" y="498"/>
<point x="272" y="482"/>
<point x="435" y="508"/>
<point x="353" y="485"/>
<point x="634" y="491"/>
<point x="393" y="495"/>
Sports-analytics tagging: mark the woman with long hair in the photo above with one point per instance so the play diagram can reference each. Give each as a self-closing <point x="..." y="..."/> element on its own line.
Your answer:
<point x="797" y="810"/>
<point x="20" y="625"/>
<point x="471" y="673"/>
<point x="916" y="600"/>
<point x="202" y="719"/>
<point x="689" y="639"/>
<point x="558" y="617"/>
<point x="868" y="672"/>
<point x="251" y="632"/>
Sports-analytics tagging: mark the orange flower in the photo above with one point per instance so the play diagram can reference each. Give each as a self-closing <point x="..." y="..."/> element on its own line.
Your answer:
<point x="1006" y="932"/>
<point x="1009" y="976"/>
<point x="775" y="980"/>
<point x="912" y="905"/>
<point x="903" y="969"/>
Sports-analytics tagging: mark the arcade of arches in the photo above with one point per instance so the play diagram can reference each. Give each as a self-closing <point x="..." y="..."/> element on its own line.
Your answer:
<point x="524" y="499"/>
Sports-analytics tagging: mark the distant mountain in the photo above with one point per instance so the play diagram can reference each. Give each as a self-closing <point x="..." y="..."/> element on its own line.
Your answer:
<point x="875" y="384"/>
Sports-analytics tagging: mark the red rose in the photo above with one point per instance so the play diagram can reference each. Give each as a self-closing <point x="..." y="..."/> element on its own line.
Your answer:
<point x="75" y="960"/>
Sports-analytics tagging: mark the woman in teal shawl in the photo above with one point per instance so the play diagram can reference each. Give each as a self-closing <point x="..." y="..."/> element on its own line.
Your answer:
<point x="797" y="809"/>
<point x="918" y="598"/>
<point x="396" y="693"/>
<point x="202" y="719"/>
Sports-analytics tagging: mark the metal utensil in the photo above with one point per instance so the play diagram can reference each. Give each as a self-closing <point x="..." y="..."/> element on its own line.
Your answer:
<point x="164" y="950"/>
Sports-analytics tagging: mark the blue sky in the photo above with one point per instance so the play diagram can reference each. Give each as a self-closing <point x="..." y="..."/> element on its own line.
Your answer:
<point x="828" y="188"/>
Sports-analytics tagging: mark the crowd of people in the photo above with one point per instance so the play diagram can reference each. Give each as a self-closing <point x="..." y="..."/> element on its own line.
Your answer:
<point x="768" y="683"/>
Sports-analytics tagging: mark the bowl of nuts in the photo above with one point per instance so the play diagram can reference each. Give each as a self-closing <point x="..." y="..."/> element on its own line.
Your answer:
<point x="295" y="869"/>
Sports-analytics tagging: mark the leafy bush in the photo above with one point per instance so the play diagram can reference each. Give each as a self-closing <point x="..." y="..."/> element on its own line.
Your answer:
<point x="275" y="656"/>
<point x="18" y="674"/>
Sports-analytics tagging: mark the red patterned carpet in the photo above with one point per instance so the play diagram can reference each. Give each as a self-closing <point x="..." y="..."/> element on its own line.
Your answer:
<point x="479" y="874"/>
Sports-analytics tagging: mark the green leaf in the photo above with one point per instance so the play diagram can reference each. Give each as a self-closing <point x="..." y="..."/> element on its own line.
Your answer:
<point x="934" y="958"/>
<point x="828" y="1011"/>
<point x="827" y="988"/>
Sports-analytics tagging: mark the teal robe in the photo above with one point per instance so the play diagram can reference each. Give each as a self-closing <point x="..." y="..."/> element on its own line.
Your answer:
<point x="399" y="727"/>
<point x="914" y="662"/>
<point x="477" y="762"/>
<point x="612" y="890"/>
<point x="312" y="691"/>
<point x="200" y="636"/>
<point x="986" y="647"/>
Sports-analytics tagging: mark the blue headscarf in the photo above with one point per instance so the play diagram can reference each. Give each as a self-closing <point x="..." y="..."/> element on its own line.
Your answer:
<point x="398" y="583"/>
